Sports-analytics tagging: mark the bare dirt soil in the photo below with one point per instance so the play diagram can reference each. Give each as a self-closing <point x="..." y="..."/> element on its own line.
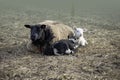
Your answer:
<point x="99" y="60"/>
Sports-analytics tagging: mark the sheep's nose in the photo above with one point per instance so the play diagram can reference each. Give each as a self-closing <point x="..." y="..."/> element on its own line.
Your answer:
<point x="33" y="38"/>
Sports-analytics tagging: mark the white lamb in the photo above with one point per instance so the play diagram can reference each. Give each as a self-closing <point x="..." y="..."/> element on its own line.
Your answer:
<point x="79" y="34"/>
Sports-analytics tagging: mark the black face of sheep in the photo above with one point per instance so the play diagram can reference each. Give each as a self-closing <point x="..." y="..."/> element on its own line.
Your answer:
<point x="40" y="34"/>
<point x="37" y="32"/>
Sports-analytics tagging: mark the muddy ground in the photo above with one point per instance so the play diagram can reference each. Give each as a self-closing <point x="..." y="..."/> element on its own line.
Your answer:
<point x="99" y="60"/>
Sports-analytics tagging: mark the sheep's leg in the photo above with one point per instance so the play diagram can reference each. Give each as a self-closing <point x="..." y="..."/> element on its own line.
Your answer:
<point x="76" y="46"/>
<point x="86" y="42"/>
<point x="56" y="52"/>
<point x="32" y="48"/>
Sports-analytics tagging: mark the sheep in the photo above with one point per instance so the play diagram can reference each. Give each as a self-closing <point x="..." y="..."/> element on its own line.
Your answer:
<point x="78" y="33"/>
<point x="62" y="47"/>
<point x="45" y="33"/>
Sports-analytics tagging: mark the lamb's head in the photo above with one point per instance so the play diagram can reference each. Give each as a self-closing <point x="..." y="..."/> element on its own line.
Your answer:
<point x="78" y="32"/>
<point x="37" y="32"/>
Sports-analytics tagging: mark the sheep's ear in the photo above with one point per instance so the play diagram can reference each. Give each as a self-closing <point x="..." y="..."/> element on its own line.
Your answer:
<point x="43" y="26"/>
<point x="27" y="26"/>
<point x="74" y="28"/>
<point x="85" y="30"/>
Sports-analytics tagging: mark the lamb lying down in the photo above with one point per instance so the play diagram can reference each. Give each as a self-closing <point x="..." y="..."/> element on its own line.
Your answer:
<point x="62" y="47"/>
<point x="79" y="35"/>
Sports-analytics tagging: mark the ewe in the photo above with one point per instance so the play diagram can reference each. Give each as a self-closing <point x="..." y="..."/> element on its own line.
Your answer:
<point x="46" y="33"/>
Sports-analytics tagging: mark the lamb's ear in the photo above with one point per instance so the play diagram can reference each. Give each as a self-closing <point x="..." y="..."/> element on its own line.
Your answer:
<point x="27" y="26"/>
<point x="74" y="28"/>
<point x="43" y="26"/>
<point x="85" y="30"/>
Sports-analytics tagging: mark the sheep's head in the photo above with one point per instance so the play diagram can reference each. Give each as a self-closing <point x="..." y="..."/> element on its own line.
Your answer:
<point x="37" y="32"/>
<point x="79" y="32"/>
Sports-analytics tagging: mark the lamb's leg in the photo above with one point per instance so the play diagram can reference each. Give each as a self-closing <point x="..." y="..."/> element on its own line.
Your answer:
<point x="56" y="52"/>
<point x="86" y="42"/>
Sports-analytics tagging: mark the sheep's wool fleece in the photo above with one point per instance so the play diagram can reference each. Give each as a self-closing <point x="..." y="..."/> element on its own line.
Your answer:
<point x="60" y="31"/>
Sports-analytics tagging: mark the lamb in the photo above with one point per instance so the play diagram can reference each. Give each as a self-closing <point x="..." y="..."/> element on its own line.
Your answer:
<point x="79" y="34"/>
<point x="45" y="33"/>
<point x="62" y="47"/>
